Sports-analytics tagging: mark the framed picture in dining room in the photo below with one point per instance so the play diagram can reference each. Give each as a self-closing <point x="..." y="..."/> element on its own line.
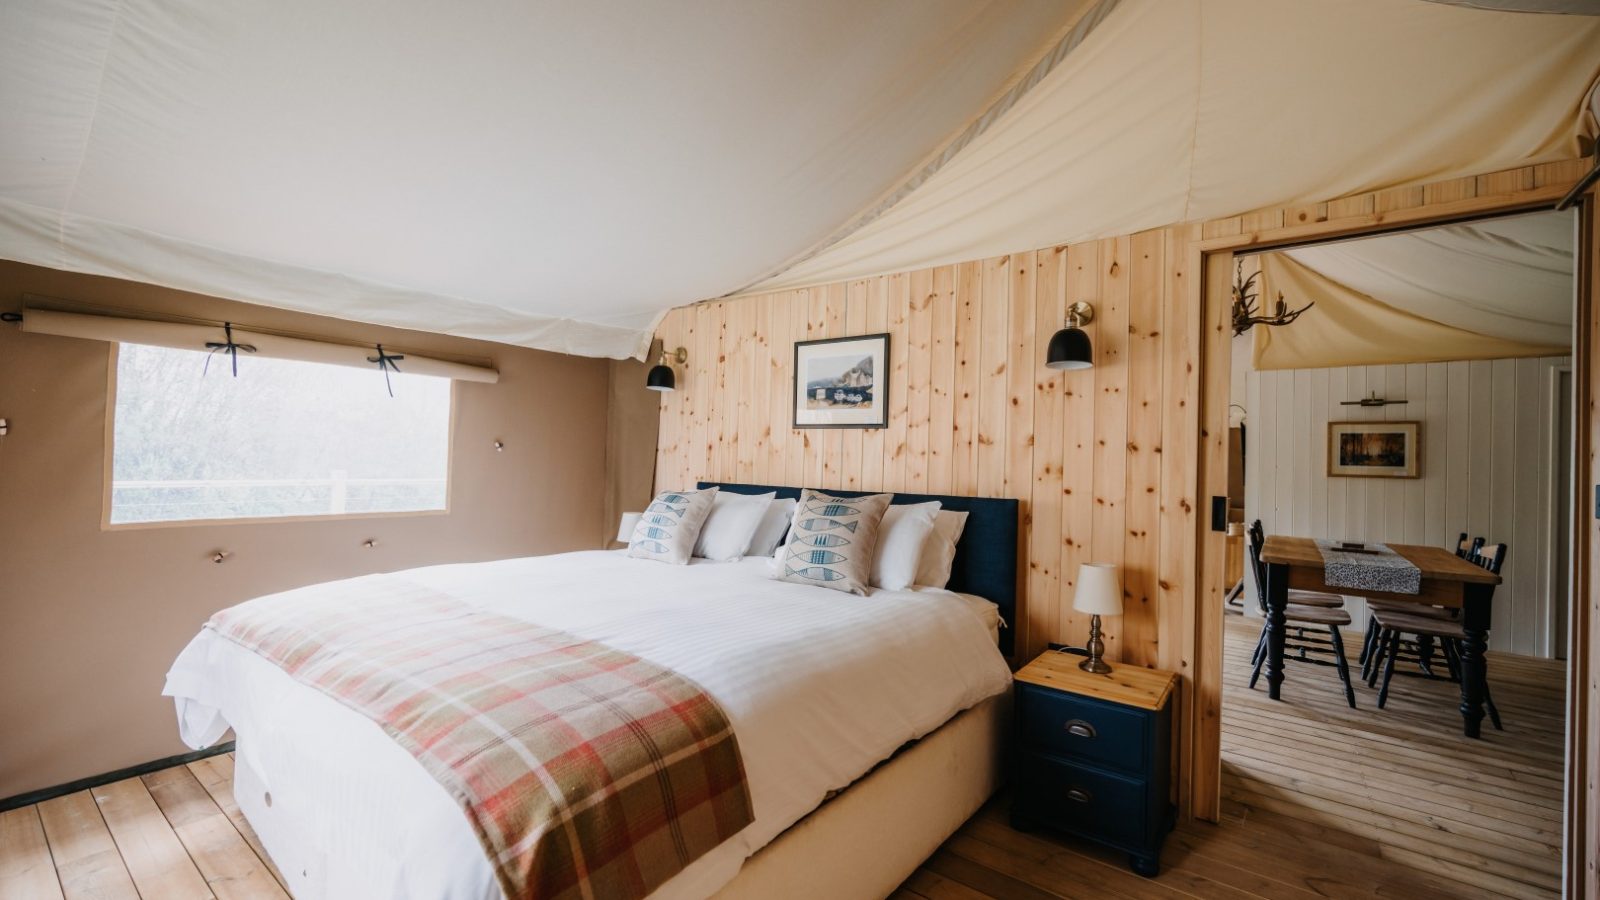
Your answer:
<point x="1375" y="449"/>
<point x="842" y="382"/>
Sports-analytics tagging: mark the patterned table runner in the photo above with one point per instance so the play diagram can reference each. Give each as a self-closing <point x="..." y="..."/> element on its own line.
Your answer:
<point x="1374" y="568"/>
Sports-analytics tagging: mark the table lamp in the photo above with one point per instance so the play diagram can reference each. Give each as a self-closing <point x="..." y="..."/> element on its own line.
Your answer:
<point x="1099" y="594"/>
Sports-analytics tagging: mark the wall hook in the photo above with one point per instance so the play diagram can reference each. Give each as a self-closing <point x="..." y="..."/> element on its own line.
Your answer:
<point x="221" y="556"/>
<point x="499" y="446"/>
<point x="369" y="543"/>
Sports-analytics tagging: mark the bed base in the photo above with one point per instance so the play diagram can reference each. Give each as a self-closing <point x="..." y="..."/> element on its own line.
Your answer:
<point x="862" y="843"/>
<point x="868" y="839"/>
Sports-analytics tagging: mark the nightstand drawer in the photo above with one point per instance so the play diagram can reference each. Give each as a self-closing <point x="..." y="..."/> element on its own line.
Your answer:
<point x="1082" y="799"/>
<point x="1079" y="728"/>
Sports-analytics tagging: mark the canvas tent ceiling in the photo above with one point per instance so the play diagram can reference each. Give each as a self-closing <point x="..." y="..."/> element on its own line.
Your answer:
<point x="1493" y="289"/>
<point x="558" y="175"/>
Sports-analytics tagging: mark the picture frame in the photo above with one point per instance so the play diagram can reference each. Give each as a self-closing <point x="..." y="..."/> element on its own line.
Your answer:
<point x="842" y="382"/>
<point x="1375" y="449"/>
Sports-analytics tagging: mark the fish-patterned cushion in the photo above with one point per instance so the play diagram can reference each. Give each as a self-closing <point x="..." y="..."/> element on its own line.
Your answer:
<point x="832" y="539"/>
<point x="670" y="524"/>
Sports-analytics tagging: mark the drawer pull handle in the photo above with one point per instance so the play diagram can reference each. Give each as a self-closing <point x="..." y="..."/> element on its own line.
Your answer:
<point x="1080" y="728"/>
<point x="1078" y="795"/>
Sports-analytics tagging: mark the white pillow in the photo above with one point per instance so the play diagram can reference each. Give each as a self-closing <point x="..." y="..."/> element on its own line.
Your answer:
<point x="732" y="523"/>
<point x="774" y="525"/>
<point x="939" y="550"/>
<point x="904" y="530"/>
<point x="670" y="525"/>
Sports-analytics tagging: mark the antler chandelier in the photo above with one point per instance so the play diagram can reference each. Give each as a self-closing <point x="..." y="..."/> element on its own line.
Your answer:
<point x="1245" y="292"/>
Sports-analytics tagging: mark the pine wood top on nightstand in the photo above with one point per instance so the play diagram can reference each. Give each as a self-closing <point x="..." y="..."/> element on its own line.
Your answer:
<point x="1127" y="685"/>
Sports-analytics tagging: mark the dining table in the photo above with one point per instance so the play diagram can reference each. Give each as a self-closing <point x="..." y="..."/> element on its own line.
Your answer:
<point x="1447" y="580"/>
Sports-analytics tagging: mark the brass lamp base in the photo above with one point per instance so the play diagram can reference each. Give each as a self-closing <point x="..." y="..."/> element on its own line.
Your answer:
<point x="1097" y="649"/>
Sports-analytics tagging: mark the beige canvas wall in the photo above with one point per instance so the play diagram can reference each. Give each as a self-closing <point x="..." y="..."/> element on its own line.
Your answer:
<point x="90" y="619"/>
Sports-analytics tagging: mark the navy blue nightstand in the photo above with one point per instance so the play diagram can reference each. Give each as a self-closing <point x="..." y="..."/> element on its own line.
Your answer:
<point x="1094" y="755"/>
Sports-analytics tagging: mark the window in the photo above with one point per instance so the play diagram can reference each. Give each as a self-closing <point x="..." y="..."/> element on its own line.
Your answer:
<point x="284" y="438"/>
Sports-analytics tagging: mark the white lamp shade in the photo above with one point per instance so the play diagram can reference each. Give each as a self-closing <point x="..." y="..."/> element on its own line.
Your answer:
<point x="1099" y="590"/>
<point x="625" y="530"/>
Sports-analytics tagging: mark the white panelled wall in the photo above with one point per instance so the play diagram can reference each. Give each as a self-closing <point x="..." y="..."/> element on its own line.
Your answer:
<point x="1488" y="468"/>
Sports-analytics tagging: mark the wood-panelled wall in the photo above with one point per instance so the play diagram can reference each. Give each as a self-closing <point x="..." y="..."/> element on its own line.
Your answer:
<point x="1487" y="467"/>
<point x="1109" y="464"/>
<point x="973" y="411"/>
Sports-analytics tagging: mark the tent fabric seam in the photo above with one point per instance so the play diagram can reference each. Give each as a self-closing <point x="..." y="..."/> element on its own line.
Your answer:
<point x="88" y="131"/>
<point x="974" y="130"/>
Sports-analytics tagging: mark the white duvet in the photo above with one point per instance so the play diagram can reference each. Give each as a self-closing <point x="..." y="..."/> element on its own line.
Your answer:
<point x="820" y="686"/>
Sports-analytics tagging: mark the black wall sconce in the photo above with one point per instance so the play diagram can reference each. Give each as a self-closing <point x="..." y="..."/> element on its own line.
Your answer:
<point x="1070" y="348"/>
<point x="661" y="377"/>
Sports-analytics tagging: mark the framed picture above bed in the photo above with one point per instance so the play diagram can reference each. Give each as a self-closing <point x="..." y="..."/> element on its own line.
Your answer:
<point x="842" y="382"/>
<point x="1374" y="449"/>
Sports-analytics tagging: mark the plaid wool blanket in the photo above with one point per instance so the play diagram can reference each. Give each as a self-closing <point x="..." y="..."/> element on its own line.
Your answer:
<point x="585" y="771"/>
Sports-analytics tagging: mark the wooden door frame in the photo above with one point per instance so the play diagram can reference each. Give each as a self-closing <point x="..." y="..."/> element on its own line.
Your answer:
<point x="1212" y="257"/>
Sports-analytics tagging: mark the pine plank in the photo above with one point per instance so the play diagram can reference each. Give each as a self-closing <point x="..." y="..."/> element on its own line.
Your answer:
<point x="851" y="439"/>
<point x="990" y="389"/>
<point x="756" y="395"/>
<point x="919" y="379"/>
<point x="1024" y="362"/>
<point x="872" y="441"/>
<point x="834" y="310"/>
<point x="27" y="871"/>
<point x="898" y="299"/>
<point x="799" y="439"/>
<point x="942" y="380"/>
<point x="1044" y="520"/>
<point x="86" y="857"/>
<point x="1180" y="443"/>
<point x="230" y="867"/>
<point x="1078" y="389"/>
<point x="964" y="412"/>
<point x="1141" y="613"/>
<point x="1110" y="438"/>
<point x="156" y="859"/>
<point x="1216" y="279"/>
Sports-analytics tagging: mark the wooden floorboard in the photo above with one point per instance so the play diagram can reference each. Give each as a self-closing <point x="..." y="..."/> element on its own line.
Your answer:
<point x="1320" y="801"/>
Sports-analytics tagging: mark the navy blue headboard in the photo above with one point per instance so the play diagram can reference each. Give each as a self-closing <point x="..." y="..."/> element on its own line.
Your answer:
<point x="986" y="555"/>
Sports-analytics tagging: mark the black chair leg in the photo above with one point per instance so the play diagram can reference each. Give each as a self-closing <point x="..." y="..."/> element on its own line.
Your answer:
<point x="1425" y="653"/>
<point x="1366" y="644"/>
<point x="1494" y="714"/>
<point x="1388" y="666"/>
<point x="1261" y="647"/>
<point x="1452" y="660"/>
<point x="1261" y="659"/>
<point x="1375" y="661"/>
<point x="1343" y="665"/>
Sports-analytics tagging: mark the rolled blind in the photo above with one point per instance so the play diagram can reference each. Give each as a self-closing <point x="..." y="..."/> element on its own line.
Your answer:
<point x="185" y="336"/>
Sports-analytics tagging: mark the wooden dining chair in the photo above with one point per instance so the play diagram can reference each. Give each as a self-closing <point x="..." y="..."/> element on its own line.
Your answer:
<point x="1308" y="612"/>
<point x="1420" y="650"/>
<point x="1395" y="624"/>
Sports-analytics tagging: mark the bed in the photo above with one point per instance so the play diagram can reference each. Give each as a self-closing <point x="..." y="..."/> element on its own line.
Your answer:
<point x="857" y="717"/>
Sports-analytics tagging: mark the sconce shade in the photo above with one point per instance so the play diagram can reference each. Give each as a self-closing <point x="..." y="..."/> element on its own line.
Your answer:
<point x="661" y="379"/>
<point x="1069" y="349"/>
<point x="1099" y="590"/>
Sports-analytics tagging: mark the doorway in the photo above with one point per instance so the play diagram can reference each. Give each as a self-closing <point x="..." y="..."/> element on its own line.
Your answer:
<point x="1491" y="438"/>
